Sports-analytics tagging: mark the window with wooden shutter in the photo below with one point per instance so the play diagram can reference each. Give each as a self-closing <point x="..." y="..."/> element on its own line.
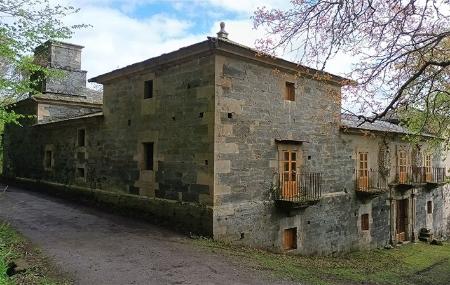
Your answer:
<point x="290" y="239"/>
<point x="290" y="91"/>
<point x="428" y="170"/>
<point x="402" y="166"/>
<point x="363" y="170"/>
<point x="289" y="158"/>
<point x="365" y="222"/>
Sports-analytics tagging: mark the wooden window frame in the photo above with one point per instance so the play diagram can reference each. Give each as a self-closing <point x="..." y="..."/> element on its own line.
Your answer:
<point x="290" y="238"/>
<point x="365" y="222"/>
<point x="362" y="169"/>
<point x="289" y="157"/>
<point x="148" y="89"/>
<point x="290" y="91"/>
<point x="428" y="167"/>
<point x="403" y="164"/>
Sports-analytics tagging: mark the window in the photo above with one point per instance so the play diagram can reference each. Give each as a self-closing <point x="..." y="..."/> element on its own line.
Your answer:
<point x="81" y="172"/>
<point x="428" y="171"/>
<point x="363" y="171"/>
<point x="288" y="171"/>
<point x="430" y="207"/>
<point x="148" y="156"/>
<point x="290" y="239"/>
<point x="81" y="137"/>
<point x="290" y="91"/>
<point x="402" y="166"/>
<point x="365" y="222"/>
<point x="148" y="89"/>
<point x="48" y="159"/>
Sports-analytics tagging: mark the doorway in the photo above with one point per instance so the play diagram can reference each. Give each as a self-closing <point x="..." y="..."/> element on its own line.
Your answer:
<point x="401" y="220"/>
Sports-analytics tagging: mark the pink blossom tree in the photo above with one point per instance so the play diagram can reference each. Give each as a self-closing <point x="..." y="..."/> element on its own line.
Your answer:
<point x="402" y="47"/>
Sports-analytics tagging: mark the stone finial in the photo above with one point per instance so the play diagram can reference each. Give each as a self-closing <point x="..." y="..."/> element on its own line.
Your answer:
<point x="222" y="34"/>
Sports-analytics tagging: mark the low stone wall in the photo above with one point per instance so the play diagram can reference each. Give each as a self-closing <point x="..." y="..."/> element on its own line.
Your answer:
<point x="181" y="216"/>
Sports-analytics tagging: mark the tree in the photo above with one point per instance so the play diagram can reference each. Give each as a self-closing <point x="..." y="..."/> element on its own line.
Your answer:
<point x="24" y="24"/>
<point x="402" y="47"/>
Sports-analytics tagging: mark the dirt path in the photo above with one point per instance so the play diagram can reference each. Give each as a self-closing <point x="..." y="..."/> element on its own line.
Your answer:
<point x="98" y="248"/>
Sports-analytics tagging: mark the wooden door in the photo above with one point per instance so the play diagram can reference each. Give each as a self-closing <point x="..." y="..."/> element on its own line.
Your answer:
<point x="289" y="173"/>
<point x="363" y="171"/>
<point x="402" y="167"/>
<point x="428" y="171"/>
<point x="401" y="219"/>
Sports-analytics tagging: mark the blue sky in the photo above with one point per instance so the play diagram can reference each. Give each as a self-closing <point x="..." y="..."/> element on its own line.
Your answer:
<point x="124" y="32"/>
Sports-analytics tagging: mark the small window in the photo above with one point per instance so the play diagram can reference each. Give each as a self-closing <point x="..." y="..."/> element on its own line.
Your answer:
<point x="81" y="172"/>
<point x="148" y="156"/>
<point x="148" y="89"/>
<point x="365" y="222"/>
<point x="290" y="91"/>
<point x="290" y="239"/>
<point x="430" y="207"/>
<point x="81" y="155"/>
<point x="81" y="137"/>
<point x="48" y="159"/>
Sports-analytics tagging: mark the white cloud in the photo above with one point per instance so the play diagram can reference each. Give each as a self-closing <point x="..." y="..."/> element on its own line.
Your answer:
<point x="116" y="39"/>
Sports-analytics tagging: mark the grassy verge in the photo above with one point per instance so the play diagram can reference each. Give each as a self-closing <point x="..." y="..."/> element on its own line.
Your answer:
<point x="31" y="268"/>
<point x="409" y="264"/>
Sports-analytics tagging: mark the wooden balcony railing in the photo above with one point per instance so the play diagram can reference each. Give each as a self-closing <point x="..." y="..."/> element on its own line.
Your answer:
<point x="371" y="181"/>
<point x="435" y="175"/>
<point x="298" y="189"/>
<point x="419" y="175"/>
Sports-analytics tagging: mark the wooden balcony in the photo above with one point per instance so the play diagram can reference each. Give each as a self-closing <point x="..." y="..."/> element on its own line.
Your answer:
<point x="297" y="190"/>
<point x="370" y="183"/>
<point x="409" y="176"/>
<point x="414" y="176"/>
<point x="434" y="176"/>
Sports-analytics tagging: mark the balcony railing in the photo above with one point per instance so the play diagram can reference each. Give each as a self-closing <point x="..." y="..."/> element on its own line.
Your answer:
<point x="298" y="189"/>
<point x="435" y="175"/>
<point x="412" y="175"/>
<point x="371" y="182"/>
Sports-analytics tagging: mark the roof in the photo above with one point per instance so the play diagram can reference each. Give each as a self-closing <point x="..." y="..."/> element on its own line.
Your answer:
<point x="90" y="115"/>
<point x="213" y="44"/>
<point x="353" y="122"/>
<point x="88" y="96"/>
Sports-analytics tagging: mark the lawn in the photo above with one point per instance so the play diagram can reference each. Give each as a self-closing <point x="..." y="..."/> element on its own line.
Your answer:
<point x="33" y="268"/>
<point x="414" y="263"/>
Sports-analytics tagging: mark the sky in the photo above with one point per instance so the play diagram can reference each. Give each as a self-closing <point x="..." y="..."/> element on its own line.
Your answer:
<point x="123" y="32"/>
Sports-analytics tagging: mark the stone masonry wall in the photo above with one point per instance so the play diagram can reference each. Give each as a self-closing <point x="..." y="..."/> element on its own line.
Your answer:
<point x="250" y="114"/>
<point x="382" y="219"/>
<point x="178" y="120"/>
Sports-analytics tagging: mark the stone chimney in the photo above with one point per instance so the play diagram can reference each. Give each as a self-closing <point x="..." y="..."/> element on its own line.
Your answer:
<point x="222" y="34"/>
<point x="66" y="58"/>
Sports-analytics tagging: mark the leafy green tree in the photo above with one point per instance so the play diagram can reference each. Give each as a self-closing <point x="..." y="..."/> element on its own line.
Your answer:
<point x="25" y="24"/>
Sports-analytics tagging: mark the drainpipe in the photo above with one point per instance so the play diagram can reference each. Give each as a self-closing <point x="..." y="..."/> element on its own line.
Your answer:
<point x="413" y="216"/>
<point x="391" y="241"/>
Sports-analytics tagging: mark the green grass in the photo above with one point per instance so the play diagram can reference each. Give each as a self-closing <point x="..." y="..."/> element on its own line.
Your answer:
<point x="14" y="248"/>
<point x="409" y="264"/>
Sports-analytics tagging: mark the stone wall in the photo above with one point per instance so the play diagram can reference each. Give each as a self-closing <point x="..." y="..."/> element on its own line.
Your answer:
<point x="178" y="120"/>
<point x="250" y="115"/>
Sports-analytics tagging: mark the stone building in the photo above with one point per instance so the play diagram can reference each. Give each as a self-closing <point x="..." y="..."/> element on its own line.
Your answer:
<point x="241" y="147"/>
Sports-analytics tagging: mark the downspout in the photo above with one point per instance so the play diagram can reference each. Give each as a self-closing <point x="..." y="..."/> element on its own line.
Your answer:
<point x="413" y="215"/>
<point x="391" y="241"/>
